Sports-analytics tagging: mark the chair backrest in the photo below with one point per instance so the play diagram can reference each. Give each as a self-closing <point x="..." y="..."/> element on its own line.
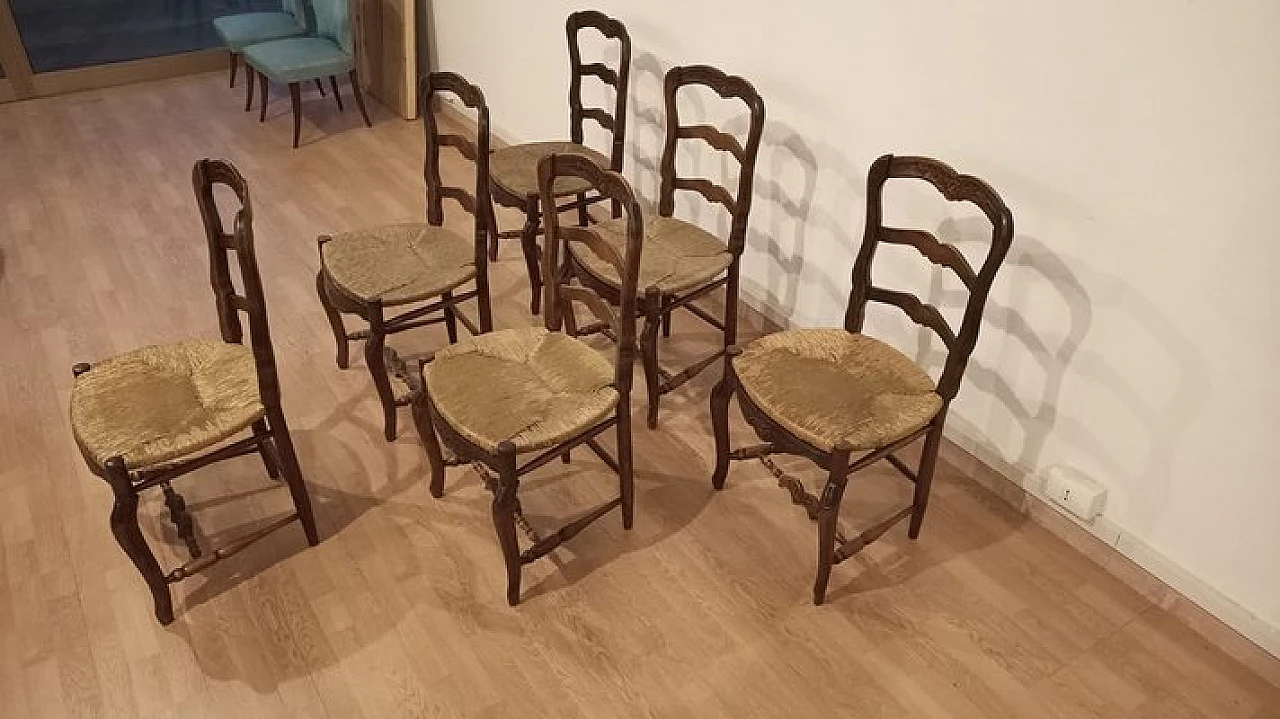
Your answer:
<point x="615" y="123"/>
<point x="726" y="86"/>
<point x="559" y="293"/>
<point x="333" y="20"/>
<point x="477" y="203"/>
<point x="205" y="177"/>
<point x="302" y="11"/>
<point x="956" y="188"/>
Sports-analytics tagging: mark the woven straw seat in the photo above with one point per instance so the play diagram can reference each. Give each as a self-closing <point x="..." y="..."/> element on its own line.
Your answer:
<point x="164" y="402"/>
<point x="532" y="387"/>
<point x="398" y="264"/>
<point x="678" y="256"/>
<point x="515" y="168"/>
<point x="827" y="385"/>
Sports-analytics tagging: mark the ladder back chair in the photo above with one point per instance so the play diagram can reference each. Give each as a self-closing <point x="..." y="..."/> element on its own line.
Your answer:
<point x="683" y="262"/>
<point x="144" y="418"/>
<point x="826" y="394"/>
<point x="367" y="271"/>
<point x="537" y="389"/>
<point x="515" y="168"/>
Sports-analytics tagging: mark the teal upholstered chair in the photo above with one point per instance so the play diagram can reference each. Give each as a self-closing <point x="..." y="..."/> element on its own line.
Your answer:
<point x="244" y="29"/>
<point x="292" y="61"/>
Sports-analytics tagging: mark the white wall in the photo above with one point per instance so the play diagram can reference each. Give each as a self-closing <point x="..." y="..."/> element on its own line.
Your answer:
<point x="1132" y="332"/>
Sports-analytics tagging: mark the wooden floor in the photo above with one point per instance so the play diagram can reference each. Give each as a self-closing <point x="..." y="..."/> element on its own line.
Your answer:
<point x="702" y="610"/>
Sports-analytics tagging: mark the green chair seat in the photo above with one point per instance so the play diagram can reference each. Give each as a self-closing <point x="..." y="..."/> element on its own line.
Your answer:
<point x="240" y="31"/>
<point x="298" y="59"/>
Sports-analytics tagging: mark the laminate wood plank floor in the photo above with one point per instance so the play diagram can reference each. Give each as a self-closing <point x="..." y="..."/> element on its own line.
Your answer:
<point x="702" y="610"/>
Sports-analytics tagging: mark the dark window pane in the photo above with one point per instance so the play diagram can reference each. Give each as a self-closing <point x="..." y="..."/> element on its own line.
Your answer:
<point x="64" y="34"/>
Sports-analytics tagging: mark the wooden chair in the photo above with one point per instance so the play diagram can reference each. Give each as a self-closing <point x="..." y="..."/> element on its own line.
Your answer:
<point x="825" y="394"/>
<point x="295" y="60"/>
<point x="241" y="30"/>
<point x="144" y="418"/>
<point x="537" y="389"/>
<point x="367" y="271"/>
<point x="683" y="262"/>
<point x="515" y="168"/>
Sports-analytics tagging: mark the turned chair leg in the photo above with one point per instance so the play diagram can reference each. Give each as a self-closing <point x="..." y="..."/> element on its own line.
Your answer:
<point x="293" y="474"/>
<point x="335" y="321"/>
<point x="250" y="81"/>
<point x="720" y="396"/>
<point x="270" y="459"/>
<point x="295" y="99"/>
<point x="450" y="318"/>
<point x="529" y="244"/>
<point x="235" y="64"/>
<point x="626" y="473"/>
<point x="376" y="362"/>
<point x="924" y="476"/>
<point x="337" y="96"/>
<point x="424" y="420"/>
<point x="649" y="352"/>
<point x="124" y="526"/>
<point x="828" y="516"/>
<point x="355" y="90"/>
<point x="504" y="518"/>
<point x="262" y="99"/>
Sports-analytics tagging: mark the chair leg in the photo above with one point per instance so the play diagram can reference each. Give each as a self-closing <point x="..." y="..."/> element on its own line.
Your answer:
<point x="270" y="459"/>
<point x="337" y="95"/>
<point x="424" y="420"/>
<point x="924" y="476"/>
<point x="529" y="244"/>
<point x="626" y="474"/>
<point x="649" y="352"/>
<point x="293" y="474"/>
<point x="335" y="321"/>
<point x="235" y="64"/>
<point x="828" y="516"/>
<point x="374" y="360"/>
<point x="720" y="396"/>
<point x="320" y="86"/>
<point x="250" y="81"/>
<point x="450" y="319"/>
<point x="504" y="518"/>
<point x="355" y="90"/>
<point x="124" y="526"/>
<point x="295" y="99"/>
<point x="262" y="99"/>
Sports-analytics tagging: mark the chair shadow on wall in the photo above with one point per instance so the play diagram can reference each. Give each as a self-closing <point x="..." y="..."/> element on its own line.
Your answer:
<point x="1032" y="267"/>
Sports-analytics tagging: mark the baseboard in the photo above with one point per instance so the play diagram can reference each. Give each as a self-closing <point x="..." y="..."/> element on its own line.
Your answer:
<point x="1217" y="618"/>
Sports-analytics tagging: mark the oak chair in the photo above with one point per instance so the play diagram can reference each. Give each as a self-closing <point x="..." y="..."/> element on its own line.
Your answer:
<point x="367" y="271"/>
<point x="328" y="52"/>
<point x="515" y="168"/>
<point x="683" y="262"/>
<point x="825" y="394"/>
<point x="537" y="389"/>
<point x="144" y="418"/>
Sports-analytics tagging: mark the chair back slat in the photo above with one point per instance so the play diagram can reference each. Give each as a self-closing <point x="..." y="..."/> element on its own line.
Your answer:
<point x="727" y="87"/>
<point x="934" y="250"/>
<point x="431" y="89"/>
<point x="206" y="176"/>
<point x="614" y="122"/>
<point x="609" y="184"/>
<point x="954" y="187"/>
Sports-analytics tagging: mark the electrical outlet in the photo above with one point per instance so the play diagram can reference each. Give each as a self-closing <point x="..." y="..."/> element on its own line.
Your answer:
<point x="1075" y="491"/>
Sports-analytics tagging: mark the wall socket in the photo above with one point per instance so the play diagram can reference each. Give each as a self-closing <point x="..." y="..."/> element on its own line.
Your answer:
<point x="1075" y="491"/>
